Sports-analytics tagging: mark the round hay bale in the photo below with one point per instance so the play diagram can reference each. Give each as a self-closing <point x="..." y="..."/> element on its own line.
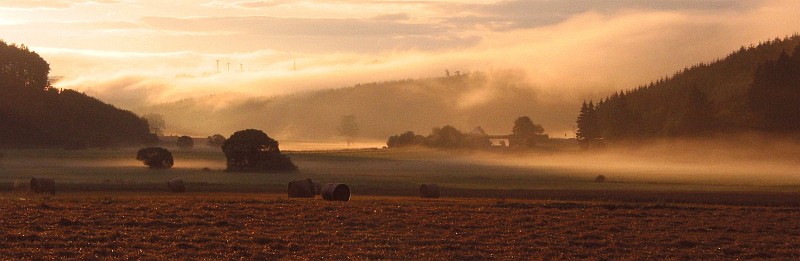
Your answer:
<point x="43" y="185"/>
<point x="600" y="178"/>
<point x="336" y="192"/>
<point x="301" y="189"/>
<point x="176" y="185"/>
<point x="429" y="191"/>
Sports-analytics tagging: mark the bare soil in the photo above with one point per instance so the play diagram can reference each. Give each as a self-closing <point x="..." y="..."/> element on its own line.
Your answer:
<point x="154" y="226"/>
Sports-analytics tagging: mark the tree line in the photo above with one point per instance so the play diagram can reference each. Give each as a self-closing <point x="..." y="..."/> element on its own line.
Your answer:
<point x="524" y="134"/>
<point x="247" y="150"/>
<point x="34" y="114"/>
<point x="754" y="88"/>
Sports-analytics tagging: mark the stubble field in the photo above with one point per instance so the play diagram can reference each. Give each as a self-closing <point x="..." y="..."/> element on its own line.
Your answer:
<point x="259" y="226"/>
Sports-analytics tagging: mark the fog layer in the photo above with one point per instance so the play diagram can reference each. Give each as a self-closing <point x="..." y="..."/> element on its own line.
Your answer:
<point x="726" y="161"/>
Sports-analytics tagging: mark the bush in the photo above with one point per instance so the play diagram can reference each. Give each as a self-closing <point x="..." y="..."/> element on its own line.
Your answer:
<point x="406" y="139"/>
<point x="185" y="142"/>
<point x="253" y="151"/>
<point x="155" y="157"/>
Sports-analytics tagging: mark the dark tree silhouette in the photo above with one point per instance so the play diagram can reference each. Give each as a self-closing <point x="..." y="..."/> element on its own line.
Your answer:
<point x="22" y="69"/>
<point x="477" y="138"/>
<point x="588" y="133"/>
<point x="697" y="117"/>
<point x="185" y="142"/>
<point x="587" y="119"/>
<point x="775" y="93"/>
<point x="526" y="133"/>
<point x="404" y="140"/>
<point x="215" y="140"/>
<point x="623" y="119"/>
<point x="253" y="151"/>
<point x="445" y="137"/>
<point x="155" y="157"/>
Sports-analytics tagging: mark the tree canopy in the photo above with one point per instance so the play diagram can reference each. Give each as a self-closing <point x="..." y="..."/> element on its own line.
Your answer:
<point x="185" y="142"/>
<point x="22" y="69"/>
<point x="774" y="95"/>
<point x="588" y="128"/>
<point x="525" y="133"/>
<point x="155" y="157"/>
<point x="252" y="150"/>
<point x="406" y="139"/>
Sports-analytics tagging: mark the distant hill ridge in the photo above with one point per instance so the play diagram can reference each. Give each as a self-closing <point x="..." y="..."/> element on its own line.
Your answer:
<point x="699" y="100"/>
<point x="381" y="109"/>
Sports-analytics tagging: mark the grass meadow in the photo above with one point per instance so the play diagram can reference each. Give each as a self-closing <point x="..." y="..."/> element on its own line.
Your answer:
<point x="384" y="172"/>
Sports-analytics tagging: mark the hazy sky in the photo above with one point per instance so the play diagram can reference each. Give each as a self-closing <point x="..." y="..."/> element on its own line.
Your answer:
<point x="132" y="53"/>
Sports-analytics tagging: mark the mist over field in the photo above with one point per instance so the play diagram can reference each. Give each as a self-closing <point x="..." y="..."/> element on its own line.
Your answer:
<point x="728" y="160"/>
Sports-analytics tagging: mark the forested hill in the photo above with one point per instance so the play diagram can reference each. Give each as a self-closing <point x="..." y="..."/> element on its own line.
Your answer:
<point x="33" y="114"/>
<point x="747" y="90"/>
<point x="381" y="109"/>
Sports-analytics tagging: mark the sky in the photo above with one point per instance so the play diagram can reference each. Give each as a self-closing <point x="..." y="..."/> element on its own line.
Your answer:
<point x="137" y="53"/>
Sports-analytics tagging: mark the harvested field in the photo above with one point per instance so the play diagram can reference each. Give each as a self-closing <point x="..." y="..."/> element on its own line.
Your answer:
<point x="268" y="226"/>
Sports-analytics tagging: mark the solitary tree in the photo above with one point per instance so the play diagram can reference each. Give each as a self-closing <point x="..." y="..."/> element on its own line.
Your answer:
<point x="155" y="157"/>
<point x="253" y="151"/>
<point x="348" y="128"/>
<point x="185" y="142"/>
<point x="526" y="133"/>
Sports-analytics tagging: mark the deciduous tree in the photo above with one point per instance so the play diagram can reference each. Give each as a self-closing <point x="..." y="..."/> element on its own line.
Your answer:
<point x="253" y="151"/>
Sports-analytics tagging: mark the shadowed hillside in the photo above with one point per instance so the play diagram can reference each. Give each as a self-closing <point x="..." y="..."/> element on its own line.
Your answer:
<point x="33" y="114"/>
